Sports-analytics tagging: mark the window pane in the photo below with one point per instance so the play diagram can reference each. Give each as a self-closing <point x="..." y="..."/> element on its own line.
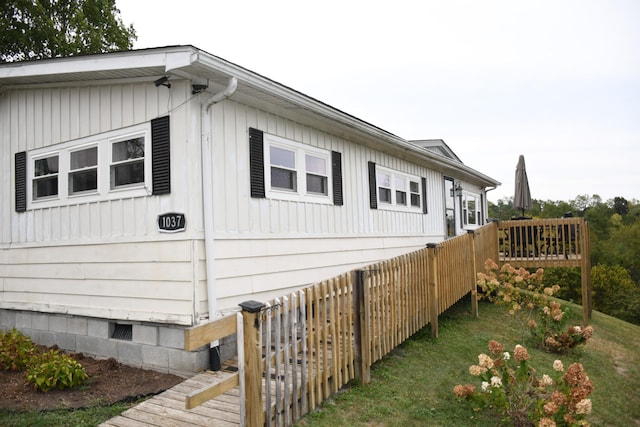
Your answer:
<point x="46" y="166"/>
<point x="414" y="187"/>
<point x="282" y="157"/>
<point x="401" y="183"/>
<point x="384" y="194"/>
<point x="84" y="158"/>
<point x="401" y="198"/>
<point x="126" y="150"/>
<point x="451" y="222"/>
<point x="384" y="180"/>
<point x="45" y="187"/>
<point x="448" y="194"/>
<point x="283" y="178"/>
<point x="317" y="184"/>
<point x="471" y="211"/>
<point x="83" y="181"/>
<point x="415" y="200"/>
<point x="129" y="173"/>
<point x="316" y="165"/>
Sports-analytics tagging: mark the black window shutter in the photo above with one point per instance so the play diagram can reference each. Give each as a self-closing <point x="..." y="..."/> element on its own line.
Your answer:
<point x="160" y="155"/>
<point x="21" y="181"/>
<point x="336" y="173"/>
<point x="373" y="187"/>
<point x="424" y="196"/>
<point x="256" y="162"/>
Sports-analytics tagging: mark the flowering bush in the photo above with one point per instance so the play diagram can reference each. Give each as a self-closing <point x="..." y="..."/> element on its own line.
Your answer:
<point x="512" y="386"/>
<point x="529" y="301"/>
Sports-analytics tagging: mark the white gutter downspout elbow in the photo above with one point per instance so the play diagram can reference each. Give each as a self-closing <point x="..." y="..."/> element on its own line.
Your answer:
<point x="227" y="92"/>
<point x="207" y="191"/>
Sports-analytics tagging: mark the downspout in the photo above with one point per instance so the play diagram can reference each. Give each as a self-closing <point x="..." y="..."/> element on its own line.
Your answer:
<point x="207" y="182"/>
<point x="486" y="202"/>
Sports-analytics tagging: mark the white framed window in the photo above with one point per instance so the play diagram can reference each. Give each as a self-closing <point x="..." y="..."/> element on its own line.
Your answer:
<point x="471" y="210"/>
<point x="46" y="169"/>
<point x="296" y="171"/>
<point x="83" y="170"/>
<point x="127" y="162"/>
<point x="397" y="190"/>
<point x="112" y="165"/>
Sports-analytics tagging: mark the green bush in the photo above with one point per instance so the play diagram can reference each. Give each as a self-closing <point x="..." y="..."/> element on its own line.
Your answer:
<point x="54" y="370"/>
<point x="16" y="350"/>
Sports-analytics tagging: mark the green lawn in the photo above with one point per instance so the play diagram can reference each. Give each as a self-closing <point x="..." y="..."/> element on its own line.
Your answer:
<point x="92" y="416"/>
<point x="413" y="385"/>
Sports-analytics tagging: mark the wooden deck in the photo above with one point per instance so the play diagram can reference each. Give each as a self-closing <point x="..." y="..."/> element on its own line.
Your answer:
<point x="168" y="408"/>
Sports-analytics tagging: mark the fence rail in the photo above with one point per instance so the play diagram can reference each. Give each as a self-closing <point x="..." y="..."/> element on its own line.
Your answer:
<point x="303" y="347"/>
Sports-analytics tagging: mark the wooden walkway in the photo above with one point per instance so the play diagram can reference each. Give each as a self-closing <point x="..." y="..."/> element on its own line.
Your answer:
<point x="168" y="408"/>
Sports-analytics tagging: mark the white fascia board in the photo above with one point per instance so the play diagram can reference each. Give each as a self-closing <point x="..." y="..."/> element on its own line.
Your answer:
<point x="168" y="58"/>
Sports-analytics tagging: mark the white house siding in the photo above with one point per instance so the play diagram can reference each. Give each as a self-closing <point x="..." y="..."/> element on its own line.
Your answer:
<point x="138" y="281"/>
<point x="104" y="258"/>
<point x="265" y="246"/>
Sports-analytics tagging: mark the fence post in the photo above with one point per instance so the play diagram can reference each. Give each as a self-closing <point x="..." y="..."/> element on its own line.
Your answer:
<point x="361" y="327"/>
<point x="253" y="356"/>
<point x="433" y="287"/>
<point x="585" y="250"/>
<point x="474" y="285"/>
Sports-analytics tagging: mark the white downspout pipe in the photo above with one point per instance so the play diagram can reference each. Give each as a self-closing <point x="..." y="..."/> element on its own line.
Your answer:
<point x="207" y="184"/>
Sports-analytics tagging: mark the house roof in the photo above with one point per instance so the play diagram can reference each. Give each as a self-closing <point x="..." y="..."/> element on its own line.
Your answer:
<point x="437" y="146"/>
<point x="203" y="68"/>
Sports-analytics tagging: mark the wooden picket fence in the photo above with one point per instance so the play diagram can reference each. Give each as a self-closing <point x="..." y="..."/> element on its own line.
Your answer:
<point x="300" y="349"/>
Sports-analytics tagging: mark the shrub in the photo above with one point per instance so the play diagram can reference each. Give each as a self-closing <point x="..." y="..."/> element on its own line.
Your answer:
<point x="511" y="386"/>
<point x="54" y="370"/>
<point x="16" y="350"/>
<point x="530" y="302"/>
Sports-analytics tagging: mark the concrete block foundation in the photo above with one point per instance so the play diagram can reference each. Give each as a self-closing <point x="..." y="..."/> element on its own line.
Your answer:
<point x="149" y="346"/>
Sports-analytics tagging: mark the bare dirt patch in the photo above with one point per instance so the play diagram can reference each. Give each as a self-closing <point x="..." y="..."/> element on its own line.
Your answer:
<point x="109" y="382"/>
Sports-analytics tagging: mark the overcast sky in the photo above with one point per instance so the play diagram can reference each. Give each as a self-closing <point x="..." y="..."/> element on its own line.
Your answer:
<point x="555" y="80"/>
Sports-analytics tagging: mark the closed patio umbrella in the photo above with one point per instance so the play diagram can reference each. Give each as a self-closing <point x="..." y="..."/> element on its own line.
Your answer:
<point x="522" y="195"/>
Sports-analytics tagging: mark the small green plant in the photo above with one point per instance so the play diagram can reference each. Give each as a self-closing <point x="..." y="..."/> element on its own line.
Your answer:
<point x="16" y="350"/>
<point x="511" y="386"/>
<point x="53" y="369"/>
<point x="530" y="302"/>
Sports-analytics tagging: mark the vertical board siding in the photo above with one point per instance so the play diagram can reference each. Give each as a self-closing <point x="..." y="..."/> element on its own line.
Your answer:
<point x="103" y="258"/>
<point x="240" y="213"/>
<point x="247" y="226"/>
<point x="47" y="116"/>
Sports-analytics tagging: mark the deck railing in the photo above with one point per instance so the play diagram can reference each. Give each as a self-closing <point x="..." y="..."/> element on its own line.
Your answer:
<point x="558" y="242"/>
<point x="310" y="343"/>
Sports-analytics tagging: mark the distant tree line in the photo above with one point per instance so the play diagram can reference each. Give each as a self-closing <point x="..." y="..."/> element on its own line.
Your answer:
<point x="615" y="250"/>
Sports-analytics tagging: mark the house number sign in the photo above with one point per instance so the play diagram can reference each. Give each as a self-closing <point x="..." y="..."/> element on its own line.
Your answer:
<point x="171" y="222"/>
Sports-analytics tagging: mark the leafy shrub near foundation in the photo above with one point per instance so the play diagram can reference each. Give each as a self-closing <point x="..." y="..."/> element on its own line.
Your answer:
<point x="53" y="369"/>
<point x="44" y="371"/>
<point x="16" y="350"/>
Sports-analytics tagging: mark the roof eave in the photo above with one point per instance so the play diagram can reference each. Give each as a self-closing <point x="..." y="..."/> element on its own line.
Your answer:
<point x="182" y="59"/>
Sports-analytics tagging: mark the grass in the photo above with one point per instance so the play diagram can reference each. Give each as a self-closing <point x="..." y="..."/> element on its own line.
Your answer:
<point x="413" y="385"/>
<point x="91" y="416"/>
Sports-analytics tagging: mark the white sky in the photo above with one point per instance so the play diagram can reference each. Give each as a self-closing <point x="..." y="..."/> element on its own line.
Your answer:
<point x="555" y="80"/>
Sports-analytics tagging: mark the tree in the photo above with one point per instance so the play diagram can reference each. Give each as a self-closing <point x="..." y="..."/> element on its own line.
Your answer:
<point x="614" y="292"/>
<point x="584" y="201"/>
<point x="35" y="29"/>
<point x="620" y="205"/>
